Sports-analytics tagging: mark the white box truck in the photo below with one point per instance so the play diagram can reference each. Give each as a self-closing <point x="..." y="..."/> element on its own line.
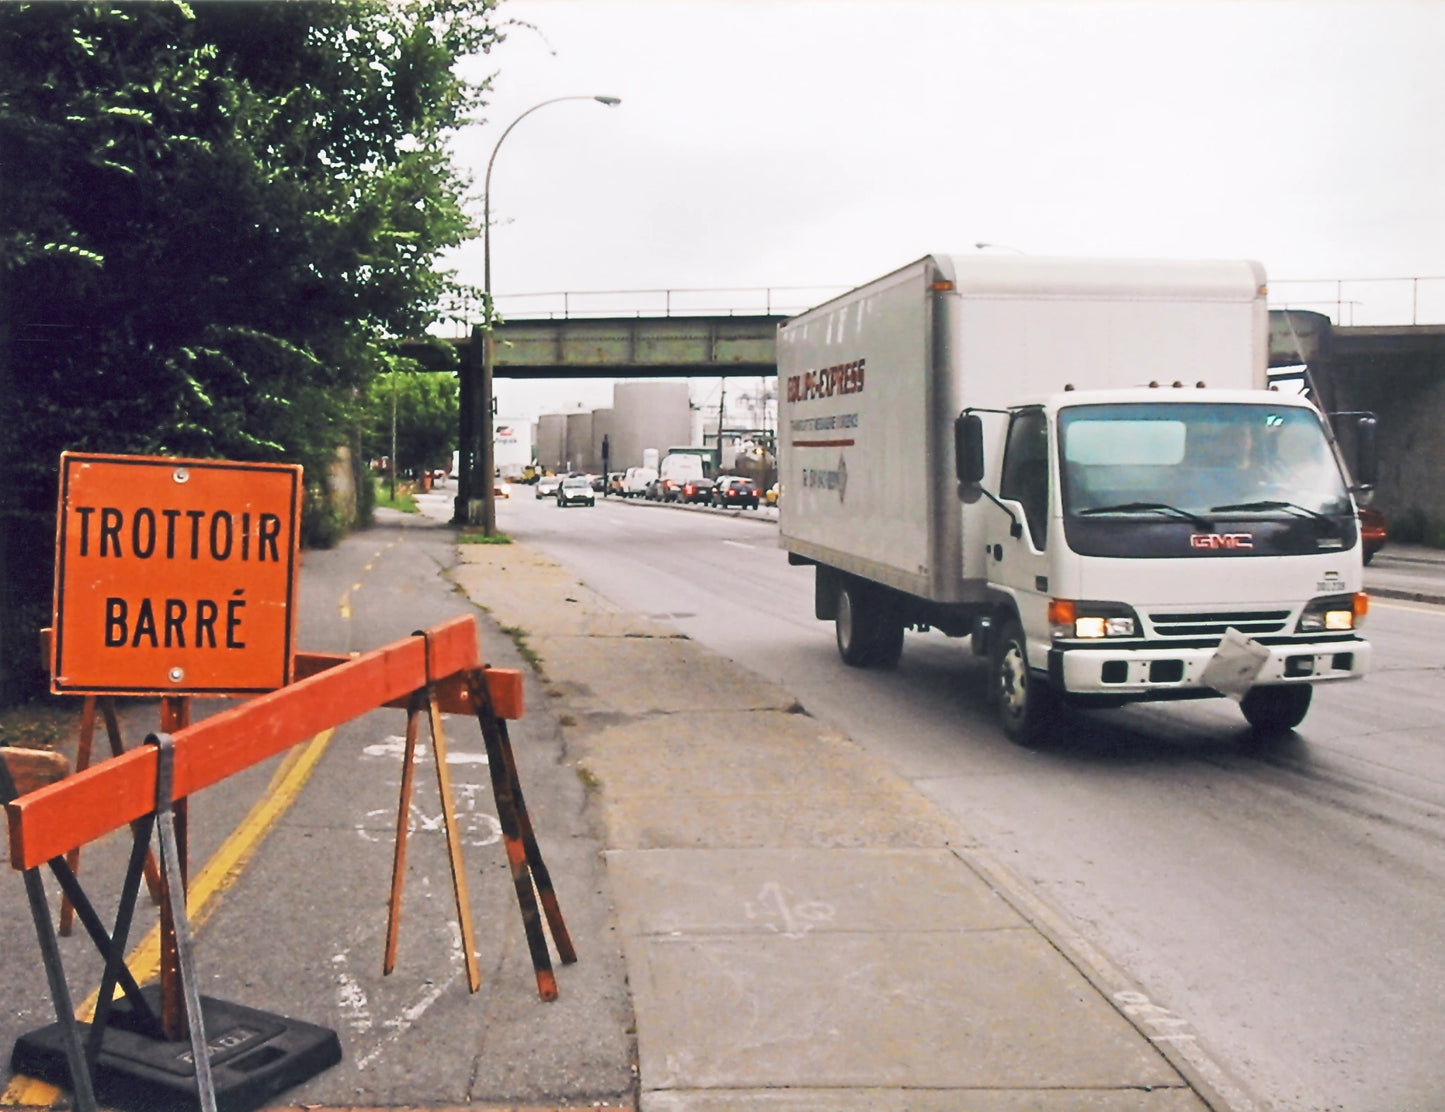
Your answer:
<point x="1077" y="463"/>
<point x="511" y="446"/>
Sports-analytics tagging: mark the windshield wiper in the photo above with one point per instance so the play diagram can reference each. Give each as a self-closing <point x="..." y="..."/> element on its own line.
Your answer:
<point x="1149" y="507"/>
<point x="1275" y="504"/>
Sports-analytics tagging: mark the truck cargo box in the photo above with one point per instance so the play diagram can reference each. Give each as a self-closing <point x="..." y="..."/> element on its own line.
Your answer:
<point x="870" y="382"/>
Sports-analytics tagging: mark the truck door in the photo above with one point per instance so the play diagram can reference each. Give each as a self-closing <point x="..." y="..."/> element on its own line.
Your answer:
<point x="1016" y="558"/>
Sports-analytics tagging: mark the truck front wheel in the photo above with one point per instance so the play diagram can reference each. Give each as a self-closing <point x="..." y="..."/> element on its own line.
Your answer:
<point x="1276" y="708"/>
<point x="868" y="627"/>
<point x="1025" y="703"/>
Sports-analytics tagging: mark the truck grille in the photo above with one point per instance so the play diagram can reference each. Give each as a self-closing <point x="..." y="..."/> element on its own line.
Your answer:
<point x="1251" y="622"/>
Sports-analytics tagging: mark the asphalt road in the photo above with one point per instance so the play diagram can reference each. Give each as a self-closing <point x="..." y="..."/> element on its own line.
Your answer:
<point x="1288" y="903"/>
<point x="297" y="929"/>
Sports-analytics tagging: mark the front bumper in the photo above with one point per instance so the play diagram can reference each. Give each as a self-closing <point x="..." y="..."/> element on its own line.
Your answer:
<point x="1133" y="671"/>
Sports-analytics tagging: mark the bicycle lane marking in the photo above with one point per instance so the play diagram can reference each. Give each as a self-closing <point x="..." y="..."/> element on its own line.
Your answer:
<point x="475" y="828"/>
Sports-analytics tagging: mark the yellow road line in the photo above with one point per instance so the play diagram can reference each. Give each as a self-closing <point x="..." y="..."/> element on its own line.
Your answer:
<point x="215" y="878"/>
<point x="1394" y="604"/>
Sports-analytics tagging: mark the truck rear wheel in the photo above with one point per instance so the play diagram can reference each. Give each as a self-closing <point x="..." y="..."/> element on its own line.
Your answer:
<point x="868" y="627"/>
<point x="1276" y="708"/>
<point x="1024" y="702"/>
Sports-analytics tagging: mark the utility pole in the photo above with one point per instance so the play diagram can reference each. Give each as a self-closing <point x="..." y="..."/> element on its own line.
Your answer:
<point x="393" y="436"/>
<point x="722" y="402"/>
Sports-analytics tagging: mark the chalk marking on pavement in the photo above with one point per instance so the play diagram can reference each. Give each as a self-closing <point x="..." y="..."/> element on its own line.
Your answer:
<point x="740" y="544"/>
<point x="798" y="919"/>
<point x="214" y="879"/>
<point x="354" y="1003"/>
<point x="351" y="996"/>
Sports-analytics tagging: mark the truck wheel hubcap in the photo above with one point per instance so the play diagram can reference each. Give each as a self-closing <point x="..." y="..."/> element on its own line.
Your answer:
<point x="1011" y="681"/>
<point x="845" y="617"/>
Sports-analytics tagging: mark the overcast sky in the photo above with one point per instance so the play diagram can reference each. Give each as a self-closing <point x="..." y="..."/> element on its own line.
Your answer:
<point x="821" y="143"/>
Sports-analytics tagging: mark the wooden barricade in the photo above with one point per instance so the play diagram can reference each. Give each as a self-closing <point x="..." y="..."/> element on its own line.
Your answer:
<point x="50" y="816"/>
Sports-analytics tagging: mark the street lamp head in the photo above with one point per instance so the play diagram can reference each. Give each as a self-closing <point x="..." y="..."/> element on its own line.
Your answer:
<point x="611" y="102"/>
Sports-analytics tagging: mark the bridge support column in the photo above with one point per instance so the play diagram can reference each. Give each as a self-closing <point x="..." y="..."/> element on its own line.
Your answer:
<point x="468" y="372"/>
<point x="482" y="503"/>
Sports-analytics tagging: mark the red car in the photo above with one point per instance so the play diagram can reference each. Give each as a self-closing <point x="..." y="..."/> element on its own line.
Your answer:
<point x="1373" y="532"/>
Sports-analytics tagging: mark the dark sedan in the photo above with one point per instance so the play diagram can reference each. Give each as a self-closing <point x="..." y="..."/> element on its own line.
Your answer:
<point x="695" y="490"/>
<point x="733" y="491"/>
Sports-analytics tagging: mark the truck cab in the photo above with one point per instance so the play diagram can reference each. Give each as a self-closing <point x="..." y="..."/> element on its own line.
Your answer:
<point x="1168" y="543"/>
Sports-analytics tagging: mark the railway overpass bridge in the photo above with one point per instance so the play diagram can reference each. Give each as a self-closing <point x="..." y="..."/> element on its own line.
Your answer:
<point x="1395" y="371"/>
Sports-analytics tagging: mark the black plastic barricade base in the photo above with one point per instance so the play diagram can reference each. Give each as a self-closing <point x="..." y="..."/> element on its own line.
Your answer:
<point x="254" y="1056"/>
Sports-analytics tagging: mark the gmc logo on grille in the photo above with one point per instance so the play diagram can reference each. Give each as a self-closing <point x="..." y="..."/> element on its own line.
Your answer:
<point x="1222" y="540"/>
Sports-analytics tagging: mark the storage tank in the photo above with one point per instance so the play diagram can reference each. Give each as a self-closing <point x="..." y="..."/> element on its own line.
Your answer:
<point x="551" y="440"/>
<point x="578" y="449"/>
<point x="648" y="415"/>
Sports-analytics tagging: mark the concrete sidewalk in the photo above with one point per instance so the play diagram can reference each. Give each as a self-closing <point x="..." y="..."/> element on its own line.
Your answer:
<point x="802" y="929"/>
<point x="1410" y="572"/>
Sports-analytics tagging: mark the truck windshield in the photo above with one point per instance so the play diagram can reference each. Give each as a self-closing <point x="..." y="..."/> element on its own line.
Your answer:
<point x="1198" y="459"/>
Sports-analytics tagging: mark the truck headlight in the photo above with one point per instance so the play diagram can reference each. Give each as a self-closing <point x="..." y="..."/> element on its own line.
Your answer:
<point x="1334" y="613"/>
<point x="1091" y="620"/>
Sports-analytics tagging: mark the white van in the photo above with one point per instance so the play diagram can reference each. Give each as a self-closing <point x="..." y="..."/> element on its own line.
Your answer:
<point x="635" y="482"/>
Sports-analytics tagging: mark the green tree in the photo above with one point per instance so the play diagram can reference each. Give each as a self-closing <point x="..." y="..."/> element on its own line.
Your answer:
<point x="215" y="221"/>
<point x="424" y="408"/>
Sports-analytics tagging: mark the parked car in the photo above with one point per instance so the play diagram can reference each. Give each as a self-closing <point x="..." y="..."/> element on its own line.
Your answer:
<point x="576" y="490"/>
<point x="599" y="483"/>
<point x="1373" y="532"/>
<point x="501" y="488"/>
<point x="695" y="490"/>
<point x="614" y="483"/>
<point x="730" y="490"/>
<point x="657" y="490"/>
<point x="547" y="486"/>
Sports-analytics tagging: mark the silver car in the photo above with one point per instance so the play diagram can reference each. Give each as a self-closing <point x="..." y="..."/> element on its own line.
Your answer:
<point x="576" y="491"/>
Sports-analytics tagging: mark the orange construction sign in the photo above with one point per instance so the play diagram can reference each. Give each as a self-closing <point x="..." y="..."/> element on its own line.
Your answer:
<point x="174" y="576"/>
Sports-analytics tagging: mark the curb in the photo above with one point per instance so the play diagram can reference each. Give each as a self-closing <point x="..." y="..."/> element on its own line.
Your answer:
<point x="760" y="514"/>
<point x="1406" y="596"/>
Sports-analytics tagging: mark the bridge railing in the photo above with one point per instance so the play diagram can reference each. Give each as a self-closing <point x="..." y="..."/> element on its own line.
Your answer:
<point x="717" y="301"/>
<point x="1364" y="301"/>
<point x="1346" y="301"/>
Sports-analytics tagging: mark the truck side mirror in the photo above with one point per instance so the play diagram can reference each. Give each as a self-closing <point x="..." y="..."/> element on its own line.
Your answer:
<point x="1367" y="451"/>
<point x="968" y="449"/>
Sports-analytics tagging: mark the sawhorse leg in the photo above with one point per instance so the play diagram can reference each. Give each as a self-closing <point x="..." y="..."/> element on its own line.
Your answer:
<point x="530" y="877"/>
<point x="427" y="700"/>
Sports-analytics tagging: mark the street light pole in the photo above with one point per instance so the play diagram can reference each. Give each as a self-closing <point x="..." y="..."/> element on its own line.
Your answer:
<point x="483" y="510"/>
